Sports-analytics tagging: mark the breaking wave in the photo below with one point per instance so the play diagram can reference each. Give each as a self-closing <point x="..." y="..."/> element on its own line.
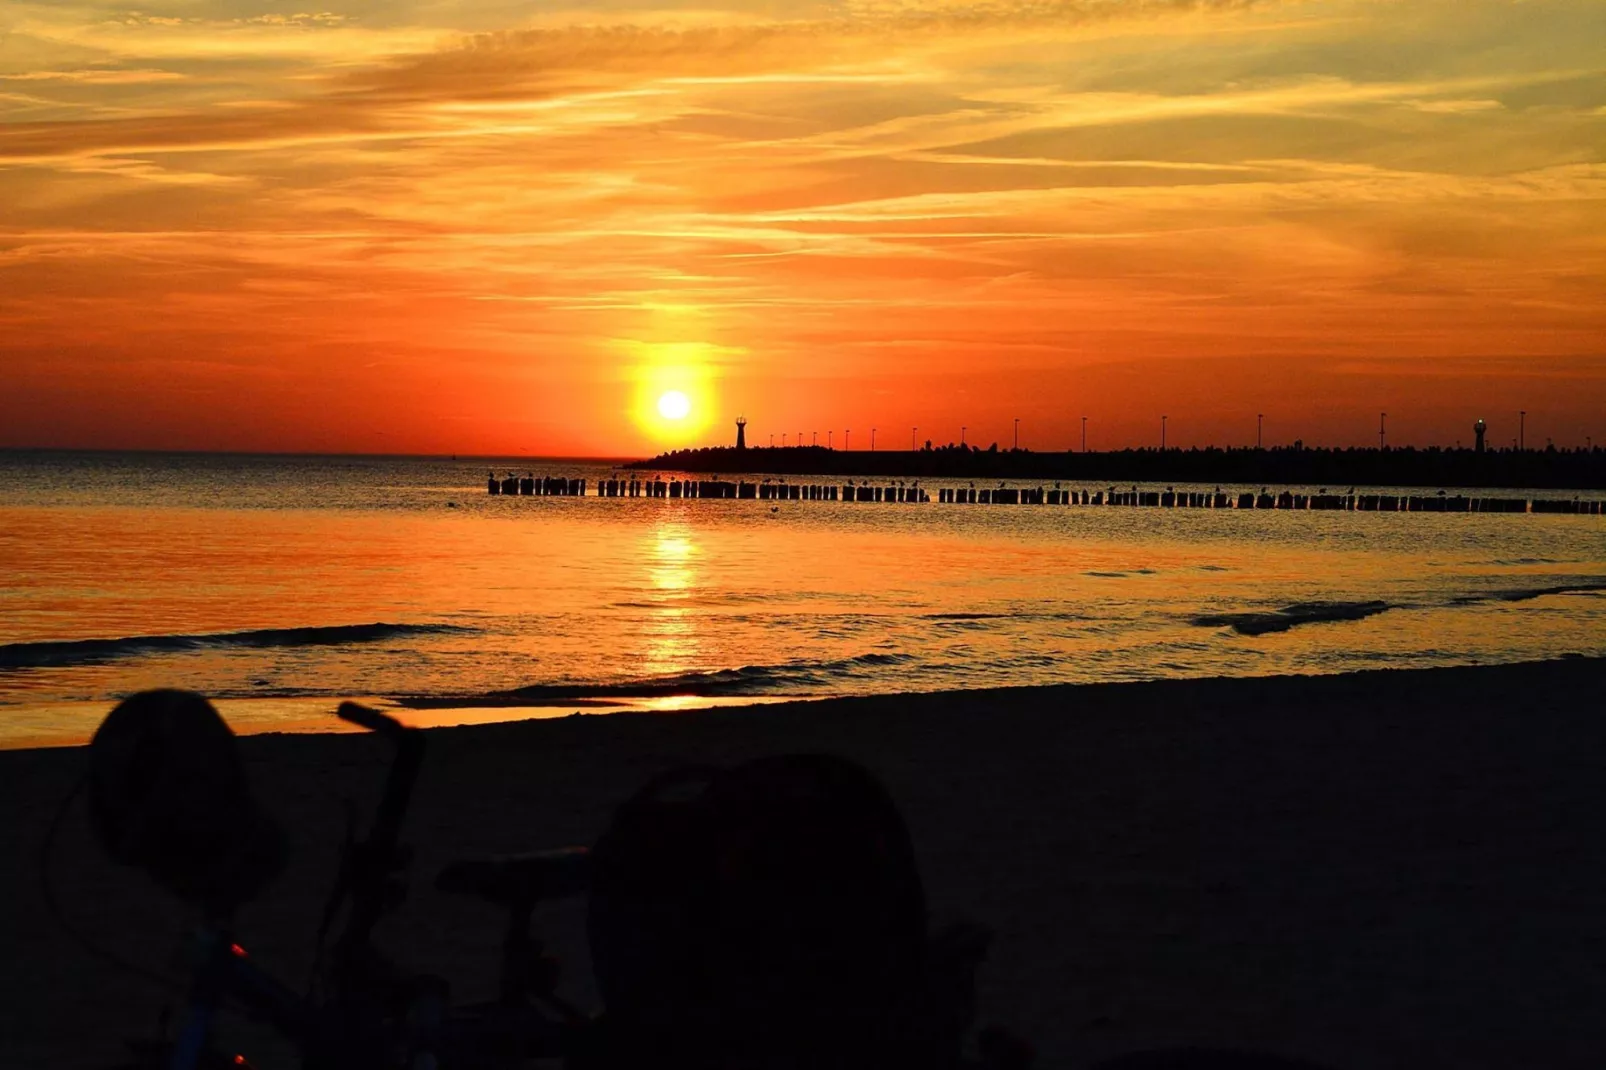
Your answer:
<point x="1263" y="622"/>
<point x="89" y="651"/>
<point x="1524" y="594"/>
<point x="798" y="677"/>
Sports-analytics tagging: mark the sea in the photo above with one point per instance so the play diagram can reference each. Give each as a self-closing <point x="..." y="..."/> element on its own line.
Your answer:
<point x="280" y="585"/>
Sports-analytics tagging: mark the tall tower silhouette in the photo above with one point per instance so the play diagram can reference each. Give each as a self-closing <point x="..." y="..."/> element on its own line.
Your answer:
<point x="1478" y="429"/>
<point x="741" y="432"/>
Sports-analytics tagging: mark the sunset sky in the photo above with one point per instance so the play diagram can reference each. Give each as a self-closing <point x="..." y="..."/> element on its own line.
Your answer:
<point x="488" y="227"/>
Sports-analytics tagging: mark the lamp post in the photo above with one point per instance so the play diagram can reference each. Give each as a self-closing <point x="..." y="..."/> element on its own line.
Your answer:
<point x="1260" y="419"/>
<point x="961" y="434"/>
<point x="1017" y="432"/>
<point x="830" y="439"/>
<point x="912" y="431"/>
<point x="1522" y="429"/>
<point x="772" y="441"/>
<point x="872" y="440"/>
<point x="814" y="438"/>
<point x="1084" y="434"/>
<point x="1382" y="430"/>
<point x="1162" y="433"/>
<point x="847" y="438"/>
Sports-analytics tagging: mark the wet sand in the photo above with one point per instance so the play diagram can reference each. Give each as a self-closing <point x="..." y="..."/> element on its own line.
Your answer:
<point x="1376" y="870"/>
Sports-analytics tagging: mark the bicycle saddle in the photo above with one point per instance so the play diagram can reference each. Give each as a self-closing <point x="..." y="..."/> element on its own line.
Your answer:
<point x="520" y="880"/>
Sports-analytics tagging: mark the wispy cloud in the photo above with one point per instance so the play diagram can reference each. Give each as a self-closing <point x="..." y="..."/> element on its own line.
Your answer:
<point x="900" y="190"/>
<point x="95" y="77"/>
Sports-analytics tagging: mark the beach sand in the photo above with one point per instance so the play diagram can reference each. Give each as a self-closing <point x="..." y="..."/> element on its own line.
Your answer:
<point x="1375" y="870"/>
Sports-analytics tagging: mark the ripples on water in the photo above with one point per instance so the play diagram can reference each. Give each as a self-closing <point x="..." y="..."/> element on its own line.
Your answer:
<point x="301" y="580"/>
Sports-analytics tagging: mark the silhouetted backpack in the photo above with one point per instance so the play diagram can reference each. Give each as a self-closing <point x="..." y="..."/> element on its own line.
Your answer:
<point x="767" y="915"/>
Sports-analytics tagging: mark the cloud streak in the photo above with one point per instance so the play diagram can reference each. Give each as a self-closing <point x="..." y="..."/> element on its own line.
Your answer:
<point x="902" y="192"/>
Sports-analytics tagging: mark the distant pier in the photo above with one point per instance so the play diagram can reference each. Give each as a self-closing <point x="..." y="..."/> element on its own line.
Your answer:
<point x="900" y="492"/>
<point x="1297" y="465"/>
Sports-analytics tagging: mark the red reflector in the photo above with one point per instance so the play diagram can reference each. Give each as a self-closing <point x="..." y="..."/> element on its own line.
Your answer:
<point x="238" y="952"/>
<point x="239" y="1060"/>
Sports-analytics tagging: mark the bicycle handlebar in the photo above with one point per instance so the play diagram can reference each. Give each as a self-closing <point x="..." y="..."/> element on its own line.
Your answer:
<point x="370" y="865"/>
<point x="371" y="719"/>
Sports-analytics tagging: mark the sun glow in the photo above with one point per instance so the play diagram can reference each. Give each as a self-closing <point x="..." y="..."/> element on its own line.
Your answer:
<point x="674" y="405"/>
<point x="676" y="396"/>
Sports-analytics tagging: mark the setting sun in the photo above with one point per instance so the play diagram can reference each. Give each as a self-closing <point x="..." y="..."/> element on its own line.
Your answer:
<point x="676" y="399"/>
<point x="674" y="405"/>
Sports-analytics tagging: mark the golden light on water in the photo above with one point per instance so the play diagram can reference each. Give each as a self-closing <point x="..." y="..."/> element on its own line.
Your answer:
<point x="579" y="591"/>
<point x="670" y="632"/>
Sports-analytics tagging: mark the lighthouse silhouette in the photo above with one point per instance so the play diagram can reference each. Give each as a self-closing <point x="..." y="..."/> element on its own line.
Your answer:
<point x="741" y="432"/>
<point x="1478" y="429"/>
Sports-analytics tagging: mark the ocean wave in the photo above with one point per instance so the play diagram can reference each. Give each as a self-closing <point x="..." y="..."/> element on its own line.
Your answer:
<point x="1524" y="594"/>
<point x="790" y="678"/>
<point x="966" y="616"/>
<point x="1263" y="622"/>
<point x="686" y="599"/>
<point x="57" y="653"/>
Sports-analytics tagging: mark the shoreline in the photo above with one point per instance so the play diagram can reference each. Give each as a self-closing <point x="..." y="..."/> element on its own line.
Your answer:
<point x="314" y="715"/>
<point x="1372" y="869"/>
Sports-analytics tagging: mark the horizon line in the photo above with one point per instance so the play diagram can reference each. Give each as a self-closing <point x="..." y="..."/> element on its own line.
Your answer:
<point x="631" y="459"/>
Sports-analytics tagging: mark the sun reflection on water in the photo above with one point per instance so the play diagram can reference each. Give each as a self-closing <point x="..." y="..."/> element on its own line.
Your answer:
<point x="670" y="631"/>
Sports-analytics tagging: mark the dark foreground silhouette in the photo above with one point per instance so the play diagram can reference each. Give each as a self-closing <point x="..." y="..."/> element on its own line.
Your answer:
<point x="1366" y="871"/>
<point x="765" y="915"/>
<point x="768" y="915"/>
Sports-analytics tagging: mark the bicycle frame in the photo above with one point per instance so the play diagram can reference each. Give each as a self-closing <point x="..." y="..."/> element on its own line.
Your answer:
<point x="360" y="1028"/>
<point x="227" y="971"/>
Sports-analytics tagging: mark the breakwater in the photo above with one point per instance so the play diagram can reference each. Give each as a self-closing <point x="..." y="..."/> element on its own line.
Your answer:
<point x="907" y="493"/>
<point x="1547" y="469"/>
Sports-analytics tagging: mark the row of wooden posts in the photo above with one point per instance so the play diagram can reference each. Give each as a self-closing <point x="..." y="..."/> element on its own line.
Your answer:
<point x="705" y="488"/>
<point x="529" y="485"/>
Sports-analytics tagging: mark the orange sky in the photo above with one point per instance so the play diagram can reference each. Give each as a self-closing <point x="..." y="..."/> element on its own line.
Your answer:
<point x="491" y="227"/>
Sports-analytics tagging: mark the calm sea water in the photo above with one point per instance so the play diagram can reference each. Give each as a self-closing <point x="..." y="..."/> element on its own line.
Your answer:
<point x="279" y="585"/>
